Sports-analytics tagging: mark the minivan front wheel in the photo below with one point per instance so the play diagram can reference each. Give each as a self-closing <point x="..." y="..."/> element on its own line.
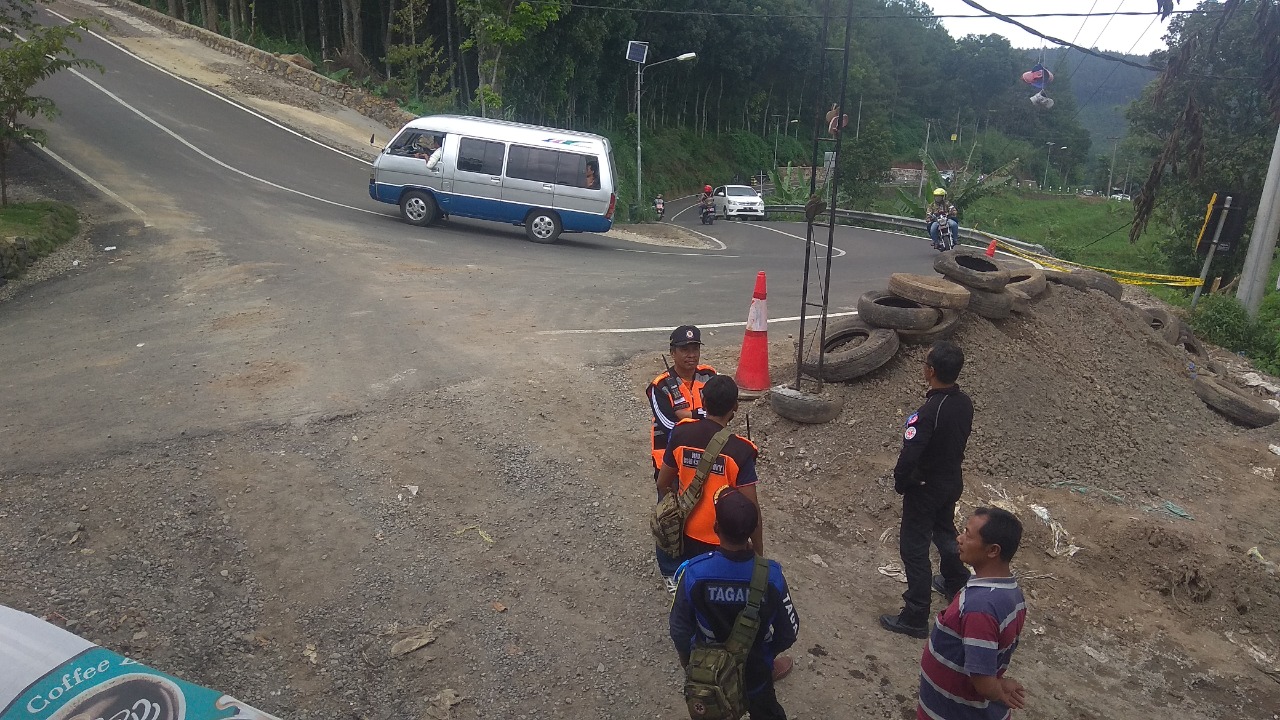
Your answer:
<point x="542" y="226"/>
<point x="418" y="208"/>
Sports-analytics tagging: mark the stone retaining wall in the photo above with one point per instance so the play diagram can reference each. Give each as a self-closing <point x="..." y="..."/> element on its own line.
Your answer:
<point x="15" y="255"/>
<point x="371" y="106"/>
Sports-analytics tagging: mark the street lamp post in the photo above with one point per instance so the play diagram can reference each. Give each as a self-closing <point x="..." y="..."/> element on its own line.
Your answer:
<point x="639" y="82"/>
<point x="1046" y="164"/>
<point x="776" y="126"/>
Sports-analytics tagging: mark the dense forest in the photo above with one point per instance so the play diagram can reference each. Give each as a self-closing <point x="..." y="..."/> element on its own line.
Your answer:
<point x="563" y="63"/>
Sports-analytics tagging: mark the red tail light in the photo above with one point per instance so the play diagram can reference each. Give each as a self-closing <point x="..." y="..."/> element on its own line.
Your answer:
<point x="613" y="203"/>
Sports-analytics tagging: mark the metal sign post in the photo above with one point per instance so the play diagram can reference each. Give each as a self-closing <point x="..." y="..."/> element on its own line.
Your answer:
<point x="1213" y="247"/>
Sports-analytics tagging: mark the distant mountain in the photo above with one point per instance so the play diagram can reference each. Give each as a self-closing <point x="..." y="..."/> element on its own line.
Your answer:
<point x="1103" y="89"/>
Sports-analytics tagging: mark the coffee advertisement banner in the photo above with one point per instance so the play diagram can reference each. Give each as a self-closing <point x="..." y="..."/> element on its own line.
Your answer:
<point x="47" y="673"/>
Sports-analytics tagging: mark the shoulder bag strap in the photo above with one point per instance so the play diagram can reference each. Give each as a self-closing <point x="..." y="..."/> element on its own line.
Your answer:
<point x="747" y="626"/>
<point x="692" y="494"/>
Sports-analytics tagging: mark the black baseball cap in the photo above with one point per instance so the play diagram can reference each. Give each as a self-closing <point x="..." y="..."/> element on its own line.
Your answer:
<point x="736" y="515"/>
<point x="686" y="335"/>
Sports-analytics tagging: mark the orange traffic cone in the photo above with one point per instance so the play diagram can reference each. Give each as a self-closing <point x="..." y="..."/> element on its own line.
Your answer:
<point x="753" y="362"/>
<point x="991" y="248"/>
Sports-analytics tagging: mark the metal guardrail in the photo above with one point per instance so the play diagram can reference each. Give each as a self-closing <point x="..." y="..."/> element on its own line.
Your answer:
<point x="981" y="238"/>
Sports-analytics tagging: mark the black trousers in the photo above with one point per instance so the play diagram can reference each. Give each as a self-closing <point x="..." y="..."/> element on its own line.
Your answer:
<point x="928" y="516"/>
<point x="764" y="705"/>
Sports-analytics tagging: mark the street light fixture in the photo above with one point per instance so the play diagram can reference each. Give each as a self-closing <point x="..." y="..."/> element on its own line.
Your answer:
<point x="640" y="81"/>
<point x="1046" y="163"/>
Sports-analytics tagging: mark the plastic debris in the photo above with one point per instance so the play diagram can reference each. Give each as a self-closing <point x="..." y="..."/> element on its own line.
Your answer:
<point x="1257" y="555"/>
<point x="419" y="637"/>
<point x="1169" y="508"/>
<point x="109" y="248"/>
<point x="1275" y="449"/>
<point x="1062" y="545"/>
<point x="893" y="571"/>
<point x="442" y="704"/>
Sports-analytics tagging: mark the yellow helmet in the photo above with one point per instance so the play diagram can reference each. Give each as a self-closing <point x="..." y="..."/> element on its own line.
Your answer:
<point x="939" y="192"/>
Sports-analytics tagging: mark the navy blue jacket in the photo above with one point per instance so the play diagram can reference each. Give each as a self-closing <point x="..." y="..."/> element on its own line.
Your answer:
<point x="712" y="589"/>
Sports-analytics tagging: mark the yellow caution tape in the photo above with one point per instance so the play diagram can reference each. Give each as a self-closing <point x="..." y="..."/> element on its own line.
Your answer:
<point x="1123" y="276"/>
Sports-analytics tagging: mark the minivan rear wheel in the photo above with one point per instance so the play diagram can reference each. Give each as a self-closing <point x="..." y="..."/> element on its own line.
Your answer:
<point x="418" y="208"/>
<point x="542" y="226"/>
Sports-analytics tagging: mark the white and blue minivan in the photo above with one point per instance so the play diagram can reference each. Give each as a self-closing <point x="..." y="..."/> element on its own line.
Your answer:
<point x="550" y="181"/>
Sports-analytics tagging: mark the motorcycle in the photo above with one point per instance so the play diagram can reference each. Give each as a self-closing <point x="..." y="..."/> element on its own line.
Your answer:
<point x="945" y="240"/>
<point x="708" y="213"/>
<point x="659" y="206"/>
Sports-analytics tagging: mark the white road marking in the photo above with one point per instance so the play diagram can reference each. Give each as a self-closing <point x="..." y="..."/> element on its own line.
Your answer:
<point x="667" y="329"/>
<point x="211" y="158"/>
<point x="101" y="188"/>
<point x="836" y="252"/>
<point x="209" y="92"/>
<point x="688" y="254"/>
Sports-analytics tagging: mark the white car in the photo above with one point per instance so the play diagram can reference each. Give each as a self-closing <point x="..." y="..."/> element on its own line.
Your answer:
<point x="736" y="201"/>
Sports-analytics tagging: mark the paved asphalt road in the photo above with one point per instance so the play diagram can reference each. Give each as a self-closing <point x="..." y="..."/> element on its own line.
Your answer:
<point x="266" y="283"/>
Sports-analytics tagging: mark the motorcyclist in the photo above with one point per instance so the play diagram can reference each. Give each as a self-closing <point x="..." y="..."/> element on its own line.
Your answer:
<point x="705" y="201"/>
<point x="938" y="210"/>
<point x="659" y="205"/>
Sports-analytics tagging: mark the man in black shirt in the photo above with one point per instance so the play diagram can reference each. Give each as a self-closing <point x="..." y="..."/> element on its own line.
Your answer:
<point x="928" y="478"/>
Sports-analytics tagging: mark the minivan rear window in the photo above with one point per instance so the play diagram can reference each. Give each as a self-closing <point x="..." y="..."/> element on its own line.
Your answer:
<point x="480" y="156"/>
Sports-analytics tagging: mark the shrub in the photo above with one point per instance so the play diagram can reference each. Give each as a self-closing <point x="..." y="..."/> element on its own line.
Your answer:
<point x="1223" y="321"/>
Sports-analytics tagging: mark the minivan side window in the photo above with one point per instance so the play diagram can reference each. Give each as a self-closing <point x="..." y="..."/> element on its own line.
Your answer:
<point x="480" y="156"/>
<point x="526" y="163"/>
<point x="553" y="166"/>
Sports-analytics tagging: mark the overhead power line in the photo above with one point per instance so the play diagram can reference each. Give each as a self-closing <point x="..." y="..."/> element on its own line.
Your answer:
<point x="1088" y="51"/>
<point x="865" y="16"/>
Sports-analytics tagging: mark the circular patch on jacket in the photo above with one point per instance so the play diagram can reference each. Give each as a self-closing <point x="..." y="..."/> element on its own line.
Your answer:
<point x="910" y="433"/>
<point x="912" y="420"/>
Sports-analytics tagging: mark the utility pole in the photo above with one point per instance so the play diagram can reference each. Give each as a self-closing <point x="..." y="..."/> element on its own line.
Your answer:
<point x="927" y="128"/>
<point x="1111" y="174"/>
<point x="1262" y="243"/>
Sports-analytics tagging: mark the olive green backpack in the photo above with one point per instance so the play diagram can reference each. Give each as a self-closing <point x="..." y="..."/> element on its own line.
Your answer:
<point x="667" y="523"/>
<point x="714" y="683"/>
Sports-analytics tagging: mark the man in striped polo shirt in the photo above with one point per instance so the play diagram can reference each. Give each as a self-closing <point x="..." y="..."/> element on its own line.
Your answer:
<point x="962" y="672"/>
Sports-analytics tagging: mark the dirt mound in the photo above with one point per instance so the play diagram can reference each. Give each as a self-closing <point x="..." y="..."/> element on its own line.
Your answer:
<point x="1139" y="568"/>
<point x="1080" y="393"/>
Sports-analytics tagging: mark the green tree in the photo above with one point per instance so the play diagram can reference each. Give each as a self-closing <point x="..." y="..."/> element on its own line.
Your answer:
<point x="1209" y="133"/>
<point x="24" y="62"/>
<point x="497" y="26"/>
<point x="418" y="64"/>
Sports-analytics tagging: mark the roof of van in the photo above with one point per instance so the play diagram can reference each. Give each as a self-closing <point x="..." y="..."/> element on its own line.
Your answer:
<point x="506" y="130"/>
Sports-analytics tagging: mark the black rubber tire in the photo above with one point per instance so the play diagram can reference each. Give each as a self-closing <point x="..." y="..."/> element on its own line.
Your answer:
<point x="844" y="358"/>
<point x="1065" y="278"/>
<point x="971" y="268"/>
<point x="886" y="310"/>
<point x="1188" y="341"/>
<point x="542" y="226"/>
<point x="1165" y="323"/>
<point x="804" y="407"/>
<point x="1238" y="407"/>
<point x="927" y="290"/>
<point x="1095" y="280"/>
<point x="1020" y="302"/>
<point x="418" y="208"/>
<point x="1029" y="280"/>
<point x="991" y="305"/>
<point x="943" y="330"/>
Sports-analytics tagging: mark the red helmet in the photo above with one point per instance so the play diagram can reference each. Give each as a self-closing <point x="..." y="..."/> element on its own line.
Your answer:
<point x="706" y="188"/>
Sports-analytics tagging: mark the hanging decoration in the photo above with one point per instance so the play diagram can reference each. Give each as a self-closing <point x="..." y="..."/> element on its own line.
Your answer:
<point x="1039" y="78"/>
